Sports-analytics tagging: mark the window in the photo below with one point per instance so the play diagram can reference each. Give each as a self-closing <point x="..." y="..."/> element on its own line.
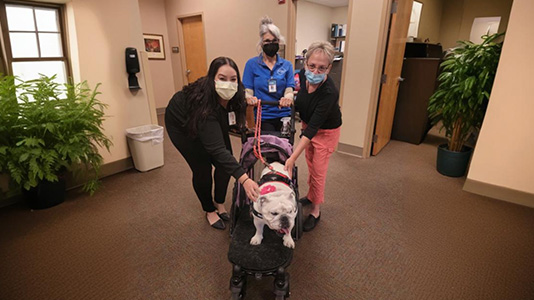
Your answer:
<point x="415" y="17"/>
<point x="34" y="40"/>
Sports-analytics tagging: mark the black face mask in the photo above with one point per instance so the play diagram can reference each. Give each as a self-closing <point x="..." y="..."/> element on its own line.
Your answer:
<point x="270" y="49"/>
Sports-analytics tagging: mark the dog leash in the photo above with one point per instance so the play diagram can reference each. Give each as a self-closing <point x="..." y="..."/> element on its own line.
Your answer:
<point x="257" y="138"/>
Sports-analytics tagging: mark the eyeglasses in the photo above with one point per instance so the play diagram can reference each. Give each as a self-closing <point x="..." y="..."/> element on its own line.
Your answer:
<point x="321" y="69"/>
<point x="265" y="42"/>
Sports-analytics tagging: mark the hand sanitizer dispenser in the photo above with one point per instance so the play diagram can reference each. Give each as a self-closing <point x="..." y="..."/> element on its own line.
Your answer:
<point x="132" y="67"/>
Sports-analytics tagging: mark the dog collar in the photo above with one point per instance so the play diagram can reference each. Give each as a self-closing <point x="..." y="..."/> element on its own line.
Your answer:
<point x="275" y="176"/>
<point x="256" y="213"/>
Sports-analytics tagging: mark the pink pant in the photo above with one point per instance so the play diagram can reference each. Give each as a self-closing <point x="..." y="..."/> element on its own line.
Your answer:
<point x="318" y="154"/>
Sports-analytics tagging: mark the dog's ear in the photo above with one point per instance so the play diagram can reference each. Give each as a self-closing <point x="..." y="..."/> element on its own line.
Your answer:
<point x="263" y="200"/>
<point x="292" y="198"/>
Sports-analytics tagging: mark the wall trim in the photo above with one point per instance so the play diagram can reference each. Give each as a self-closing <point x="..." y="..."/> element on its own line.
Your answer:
<point x="350" y="150"/>
<point x="160" y="111"/>
<point x="499" y="192"/>
<point x="106" y="170"/>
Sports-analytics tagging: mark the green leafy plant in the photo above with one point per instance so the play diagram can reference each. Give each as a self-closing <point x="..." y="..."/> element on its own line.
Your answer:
<point x="50" y="129"/>
<point x="466" y="80"/>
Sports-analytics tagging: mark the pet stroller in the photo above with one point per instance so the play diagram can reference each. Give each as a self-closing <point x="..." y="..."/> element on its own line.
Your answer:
<point x="271" y="257"/>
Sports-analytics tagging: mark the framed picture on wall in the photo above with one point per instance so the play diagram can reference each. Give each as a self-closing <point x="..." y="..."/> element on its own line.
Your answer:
<point x="154" y="46"/>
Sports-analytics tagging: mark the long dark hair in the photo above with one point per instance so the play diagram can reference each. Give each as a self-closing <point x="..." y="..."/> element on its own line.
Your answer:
<point x="202" y="99"/>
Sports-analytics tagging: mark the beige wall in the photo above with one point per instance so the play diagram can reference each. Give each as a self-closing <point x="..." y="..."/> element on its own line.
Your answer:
<point x="231" y="28"/>
<point x="504" y="152"/>
<point x="458" y="17"/>
<point x="313" y="24"/>
<point x="340" y="14"/>
<point x="451" y="22"/>
<point x="103" y="29"/>
<point x="364" y="55"/>
<point x="484" y="8"/>
<point x="430" y="22"/>
<point x="153" y="21"/>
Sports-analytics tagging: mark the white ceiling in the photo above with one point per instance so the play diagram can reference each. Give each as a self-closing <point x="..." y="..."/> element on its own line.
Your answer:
<point x="331" y="3"/>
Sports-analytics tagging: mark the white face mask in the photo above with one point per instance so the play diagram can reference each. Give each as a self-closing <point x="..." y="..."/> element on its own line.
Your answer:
<point x="226" y="89"/>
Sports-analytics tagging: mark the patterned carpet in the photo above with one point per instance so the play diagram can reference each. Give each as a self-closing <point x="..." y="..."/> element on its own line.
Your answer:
<point x="392" y="227"/>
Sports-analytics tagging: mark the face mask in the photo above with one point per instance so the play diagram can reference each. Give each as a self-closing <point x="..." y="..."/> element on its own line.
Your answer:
<point x="271" y="49"/>
<point x="225" y="89"/>
<point x="314" y="78"/>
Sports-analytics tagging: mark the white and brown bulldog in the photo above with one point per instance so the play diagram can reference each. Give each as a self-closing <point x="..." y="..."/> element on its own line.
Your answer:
<point x="276" y="206"/>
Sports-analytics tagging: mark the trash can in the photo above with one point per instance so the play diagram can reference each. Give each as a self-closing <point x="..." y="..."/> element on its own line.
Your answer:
<point x="146" y="145"/>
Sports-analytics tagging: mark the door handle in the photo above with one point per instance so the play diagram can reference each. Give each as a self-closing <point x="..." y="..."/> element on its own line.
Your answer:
<point x="401" y="79"/>
<point x="187" y="72"/>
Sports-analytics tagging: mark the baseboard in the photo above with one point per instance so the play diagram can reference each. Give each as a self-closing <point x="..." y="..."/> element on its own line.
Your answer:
<point x="106" y="170"/>
<point x="499" y="192"/>
<point x="350" y="150"/>
<point x="15" y="196"/>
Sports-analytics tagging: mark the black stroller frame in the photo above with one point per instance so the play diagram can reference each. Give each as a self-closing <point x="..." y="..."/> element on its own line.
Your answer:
<point x="271" y="257"/>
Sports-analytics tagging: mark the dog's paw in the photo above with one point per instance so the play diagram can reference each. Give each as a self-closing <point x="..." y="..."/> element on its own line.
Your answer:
<point x="256" y="240"/>
<point x="288" y="241"/>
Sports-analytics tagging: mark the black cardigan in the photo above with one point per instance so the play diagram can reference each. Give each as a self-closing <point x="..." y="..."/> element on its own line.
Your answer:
<point x="320" y="109"/>
<point x="212" y="134"/>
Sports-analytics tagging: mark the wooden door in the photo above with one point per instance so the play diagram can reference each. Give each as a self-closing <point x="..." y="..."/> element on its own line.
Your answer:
<point x="398" y="32"/>
<point x="194" y="48"/>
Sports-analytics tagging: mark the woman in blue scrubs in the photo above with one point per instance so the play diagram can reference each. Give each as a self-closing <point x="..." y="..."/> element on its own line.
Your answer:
<point x="269" y="77"/>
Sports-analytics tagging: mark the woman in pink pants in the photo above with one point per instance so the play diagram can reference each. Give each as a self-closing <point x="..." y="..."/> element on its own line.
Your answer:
<point x="318" y="105"/>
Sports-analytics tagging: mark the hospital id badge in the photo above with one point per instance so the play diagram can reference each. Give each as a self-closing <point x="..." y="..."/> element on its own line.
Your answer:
<point x="231" y="118"/>
<point x="272" y="85"/>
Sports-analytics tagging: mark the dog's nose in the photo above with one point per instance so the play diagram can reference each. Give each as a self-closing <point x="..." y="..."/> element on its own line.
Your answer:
<point x="284" y="222"/>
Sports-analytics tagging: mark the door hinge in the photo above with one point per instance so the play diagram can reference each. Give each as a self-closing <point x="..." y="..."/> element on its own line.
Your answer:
<point x="375" y="138"/>
<point x="384" y="78"/>
<point x="394" y="7"/>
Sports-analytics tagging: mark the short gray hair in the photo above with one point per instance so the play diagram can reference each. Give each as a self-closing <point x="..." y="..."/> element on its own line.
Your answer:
<point x="267" y="26"/>
<point x="322" y="47"/>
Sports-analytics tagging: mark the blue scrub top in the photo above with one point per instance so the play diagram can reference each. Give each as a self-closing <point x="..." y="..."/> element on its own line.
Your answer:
<point x="256" y="77"/>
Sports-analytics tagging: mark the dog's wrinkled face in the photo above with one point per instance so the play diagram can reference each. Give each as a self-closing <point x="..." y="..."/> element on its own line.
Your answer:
<point x="279" y="210"/>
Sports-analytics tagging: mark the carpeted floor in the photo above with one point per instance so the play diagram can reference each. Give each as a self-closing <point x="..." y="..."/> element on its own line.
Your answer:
<point x="391" y="228"/>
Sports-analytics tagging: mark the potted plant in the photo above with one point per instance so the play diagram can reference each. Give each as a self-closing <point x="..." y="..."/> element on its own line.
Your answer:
<point x="51" y="129"/>
<point x="8" y="117"/>
<point x="461" y="99"/>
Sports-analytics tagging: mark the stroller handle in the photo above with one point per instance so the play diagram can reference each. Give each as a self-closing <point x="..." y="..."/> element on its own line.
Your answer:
<point x="270" y="102"/>
<point x="292" y="129"/>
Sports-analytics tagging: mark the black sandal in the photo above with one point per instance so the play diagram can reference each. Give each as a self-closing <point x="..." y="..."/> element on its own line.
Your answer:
<point x="217" y="225"/>
<point x="224" y="216"/>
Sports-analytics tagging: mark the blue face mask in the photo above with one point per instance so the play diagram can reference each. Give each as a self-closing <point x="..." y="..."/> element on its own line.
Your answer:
<point x="314" y="78"/>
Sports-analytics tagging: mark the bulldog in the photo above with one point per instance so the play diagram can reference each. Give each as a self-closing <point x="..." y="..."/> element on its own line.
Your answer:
<point x="276" y="206"/>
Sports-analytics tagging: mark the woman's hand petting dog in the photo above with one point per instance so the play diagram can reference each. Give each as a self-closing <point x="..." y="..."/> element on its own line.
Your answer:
<point x="251" y="189"/>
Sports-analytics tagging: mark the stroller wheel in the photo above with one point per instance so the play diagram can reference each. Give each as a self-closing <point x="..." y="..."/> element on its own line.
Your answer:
<point x="237" y="296"/>
<point x="238" y="284"/>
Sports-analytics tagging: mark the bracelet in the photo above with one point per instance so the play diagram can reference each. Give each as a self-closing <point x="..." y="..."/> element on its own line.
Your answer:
<point x="242" y="183"/>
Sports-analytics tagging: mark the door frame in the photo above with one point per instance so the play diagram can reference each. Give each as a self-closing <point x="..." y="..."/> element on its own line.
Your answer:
<point x="390" y="80"/>
<point x="365" y="151"/>
<point x="180" y="32"/>
<point x="291" y="37"/>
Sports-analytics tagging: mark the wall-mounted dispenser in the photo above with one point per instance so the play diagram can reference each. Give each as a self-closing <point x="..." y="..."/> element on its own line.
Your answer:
<point x="132" y="67"/>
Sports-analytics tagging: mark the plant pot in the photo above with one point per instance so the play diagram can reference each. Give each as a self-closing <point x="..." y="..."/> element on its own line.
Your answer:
<point x="46" y="194"/>
<point x="451" y="163"/>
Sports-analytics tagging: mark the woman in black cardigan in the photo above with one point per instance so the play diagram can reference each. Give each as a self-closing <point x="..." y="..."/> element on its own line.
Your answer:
<point x="197" y="120"/>
<point x="318" y="104"/>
